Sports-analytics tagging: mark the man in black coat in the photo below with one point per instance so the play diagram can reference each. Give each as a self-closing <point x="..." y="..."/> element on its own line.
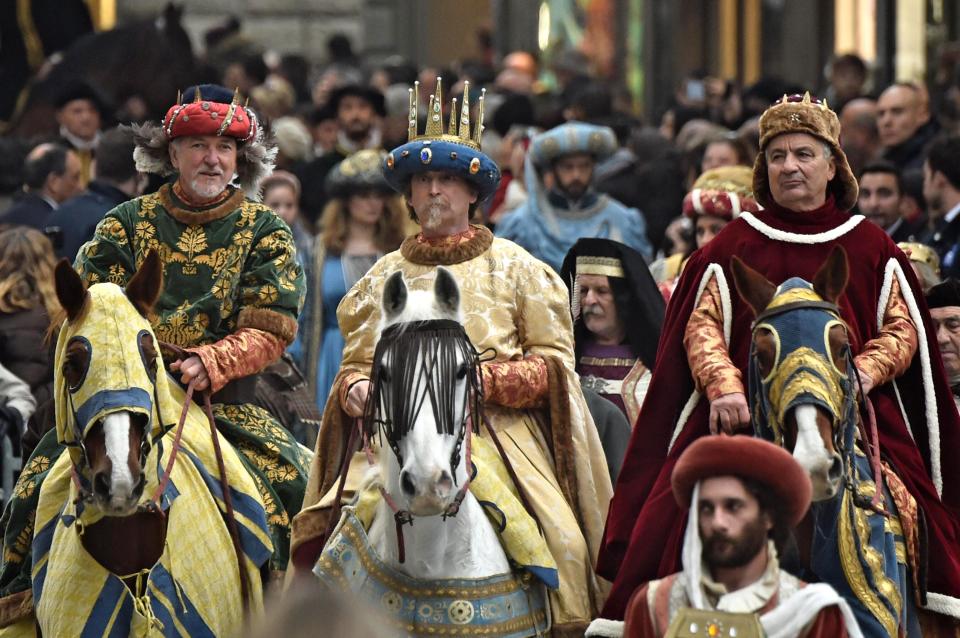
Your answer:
<point x="51" y="175"/>
<point x="116" y="181"/>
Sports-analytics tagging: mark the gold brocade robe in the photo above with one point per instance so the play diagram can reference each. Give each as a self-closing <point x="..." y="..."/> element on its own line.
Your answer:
<point x="516" y="306"/>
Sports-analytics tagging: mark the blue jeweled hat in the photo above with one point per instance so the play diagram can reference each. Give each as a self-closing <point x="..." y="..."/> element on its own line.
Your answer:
<point x="572" y="137"/>
<point x="456" y="151"/>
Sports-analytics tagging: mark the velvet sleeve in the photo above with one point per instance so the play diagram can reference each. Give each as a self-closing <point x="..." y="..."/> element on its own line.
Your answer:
<point x="828" y="624"/>
<point x="108" y="256"/>
<point x="710" y="363"/>
<point x="245" y="352"/>
<point x="889" y="354"/>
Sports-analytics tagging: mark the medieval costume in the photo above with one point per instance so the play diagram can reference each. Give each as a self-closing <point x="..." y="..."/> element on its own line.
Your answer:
<point x="925" y="262"/>
<point x="549" y="223"/>
<point x="231" y="292"/>
<point x="705" y="350"/>
<point x="515" y="309"/>
<point x="619" y="373"/>
<point x="786" y="606"/>
<point x="722" y="193"/>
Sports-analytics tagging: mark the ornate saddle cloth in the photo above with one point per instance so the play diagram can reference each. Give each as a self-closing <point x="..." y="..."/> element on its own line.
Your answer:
<point x="506" y="605"/>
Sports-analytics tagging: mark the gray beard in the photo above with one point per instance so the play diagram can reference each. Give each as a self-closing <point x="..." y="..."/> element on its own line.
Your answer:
<point x="432" y="217"/>
<point x="206" y="192"/>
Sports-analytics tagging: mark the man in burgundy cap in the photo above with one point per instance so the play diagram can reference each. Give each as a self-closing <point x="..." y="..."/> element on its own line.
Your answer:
<point x="743" y="496"/>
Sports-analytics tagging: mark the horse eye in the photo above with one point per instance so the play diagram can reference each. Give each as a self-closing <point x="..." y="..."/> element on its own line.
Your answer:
<point x="385" y="374"/>
<point x="76" y="363"/>
<point x="462" y="371"/>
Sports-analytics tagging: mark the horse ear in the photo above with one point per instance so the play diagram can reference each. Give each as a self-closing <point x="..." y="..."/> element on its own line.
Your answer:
<point x="144" y="287"/>
<point x="446" y="290"/>
<point x="755" y="289"/>
<point x="71" y="291"/>
<point x="831" y="279"/>
<point x="394" y="295"/>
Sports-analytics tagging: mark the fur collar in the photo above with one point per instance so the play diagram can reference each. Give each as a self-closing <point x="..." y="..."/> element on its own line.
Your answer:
<point x="186" y="214"/>
<point x="447" y="253"/>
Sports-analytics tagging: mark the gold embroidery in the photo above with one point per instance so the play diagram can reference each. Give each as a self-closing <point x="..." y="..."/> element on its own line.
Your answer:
<point x="180" y="329"/>
<point x="615" y="362"/>
<point x="193" y="241"/>
<point x="148" y="205"/>
<point x="853" y="569"/>
<point x="117" y="275"/>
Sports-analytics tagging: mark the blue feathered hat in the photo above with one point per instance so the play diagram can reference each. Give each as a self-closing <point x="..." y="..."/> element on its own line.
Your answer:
<point x="456" y="151"/>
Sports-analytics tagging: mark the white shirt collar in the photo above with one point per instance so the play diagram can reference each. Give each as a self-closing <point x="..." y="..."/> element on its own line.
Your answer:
<point x="952" y="214"/>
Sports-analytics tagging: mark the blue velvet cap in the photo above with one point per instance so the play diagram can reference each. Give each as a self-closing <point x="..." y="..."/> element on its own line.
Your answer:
<point x="446" y="155"/>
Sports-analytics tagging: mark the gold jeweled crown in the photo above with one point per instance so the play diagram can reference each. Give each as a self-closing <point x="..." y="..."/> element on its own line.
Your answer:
<point x="458" y="132"/>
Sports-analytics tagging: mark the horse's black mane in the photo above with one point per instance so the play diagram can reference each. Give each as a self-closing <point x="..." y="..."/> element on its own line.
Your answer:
<point x="430" y="349"/>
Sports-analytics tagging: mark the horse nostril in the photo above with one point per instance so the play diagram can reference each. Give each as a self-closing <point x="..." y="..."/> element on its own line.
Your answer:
<point x="445" y="482"/>
<point x="836" y="469"/>
<point x="406" y="483"/>
<point x="101" y="484"/>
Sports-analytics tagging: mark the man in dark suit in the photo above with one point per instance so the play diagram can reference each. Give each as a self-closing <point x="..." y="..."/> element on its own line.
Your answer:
<point x="51" y="175"/>
<point x="881" y="201"/>
<point x="116" y="181"/>
<point x="941" y="189"/>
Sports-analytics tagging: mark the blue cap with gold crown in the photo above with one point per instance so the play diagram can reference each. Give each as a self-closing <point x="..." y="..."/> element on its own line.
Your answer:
<point x="456" y="151"/>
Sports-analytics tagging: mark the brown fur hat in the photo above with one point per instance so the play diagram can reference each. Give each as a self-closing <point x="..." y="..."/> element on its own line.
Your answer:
<point x="796" y="114"/>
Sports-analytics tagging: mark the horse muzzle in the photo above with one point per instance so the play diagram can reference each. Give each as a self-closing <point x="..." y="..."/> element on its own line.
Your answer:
<point x="427" y="496"/>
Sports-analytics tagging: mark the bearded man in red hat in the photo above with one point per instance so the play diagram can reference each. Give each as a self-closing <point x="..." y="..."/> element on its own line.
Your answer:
<point x="743" y="495"/>
<point x="803" y="181"/>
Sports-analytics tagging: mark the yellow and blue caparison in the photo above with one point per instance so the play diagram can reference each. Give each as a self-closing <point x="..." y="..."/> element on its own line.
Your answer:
<point x="189" y="591"/>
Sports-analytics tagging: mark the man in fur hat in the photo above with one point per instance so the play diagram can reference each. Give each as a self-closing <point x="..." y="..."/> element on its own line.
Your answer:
<point x="743" y="495"/>
<point x="231" y="292"/>
<point x="805" y="185"/>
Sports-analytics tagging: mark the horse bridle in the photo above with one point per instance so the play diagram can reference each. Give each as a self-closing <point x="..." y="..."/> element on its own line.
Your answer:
<point x="850" y="407"/>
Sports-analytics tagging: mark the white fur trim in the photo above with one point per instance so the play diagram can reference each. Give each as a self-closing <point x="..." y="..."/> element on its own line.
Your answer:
<point x="726" y="306"/>
<point x="943" y="604"/>
<point x="604" y="628"/>
<point x="734" y="204"/>
<point x="697" y="204"/>
<point x="892" y="269"/>
<point x="799" y="238"/>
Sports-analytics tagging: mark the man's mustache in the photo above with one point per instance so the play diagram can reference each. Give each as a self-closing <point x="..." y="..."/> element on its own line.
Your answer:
<point x="592" y="310"/>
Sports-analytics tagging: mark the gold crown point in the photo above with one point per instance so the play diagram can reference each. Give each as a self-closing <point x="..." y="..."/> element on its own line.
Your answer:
<point x="785" y="99"/>
<point x="196" y="97"/>
<point x="823" y="104"/>
<point x="236" y="96"/>
<point x="435" y="116"/>
<point x="465" y="113"/>
<point x="806" y="97"/>
<point x="452" y="126"/>
<point x="179" y="96"/>
<point x="479" y="129"/>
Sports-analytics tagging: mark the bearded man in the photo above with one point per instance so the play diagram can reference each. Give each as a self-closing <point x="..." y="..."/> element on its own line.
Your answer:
<point x="231" y="292"/>
<point x="562" y="205"/>
<point x="803" y="181"/>
<point x="513" y="306"/>
<point x="743" y="495"/>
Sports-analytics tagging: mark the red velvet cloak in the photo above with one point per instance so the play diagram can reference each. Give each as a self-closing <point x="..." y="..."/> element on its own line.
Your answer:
<point x="644" y="531"/>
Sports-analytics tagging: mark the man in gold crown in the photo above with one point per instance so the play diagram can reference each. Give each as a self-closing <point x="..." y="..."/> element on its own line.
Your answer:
<point x="231" y="292"/>
<point x="802" y="179"/>
<point x="515" y="306"/>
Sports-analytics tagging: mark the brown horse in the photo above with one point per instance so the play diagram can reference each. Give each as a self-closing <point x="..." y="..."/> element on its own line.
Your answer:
<point x="803" y="394"/>
<point x="154" y="514"/>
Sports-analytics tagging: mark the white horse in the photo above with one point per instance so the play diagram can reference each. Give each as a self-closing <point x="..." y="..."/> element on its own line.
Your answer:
<point x="425" y="482"/>
<point x="430" y="557"/>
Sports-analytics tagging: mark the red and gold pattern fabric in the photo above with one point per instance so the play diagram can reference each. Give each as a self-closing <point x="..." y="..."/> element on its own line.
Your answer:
<point x="245" y="352"/>
<point x="204" y="117"/>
